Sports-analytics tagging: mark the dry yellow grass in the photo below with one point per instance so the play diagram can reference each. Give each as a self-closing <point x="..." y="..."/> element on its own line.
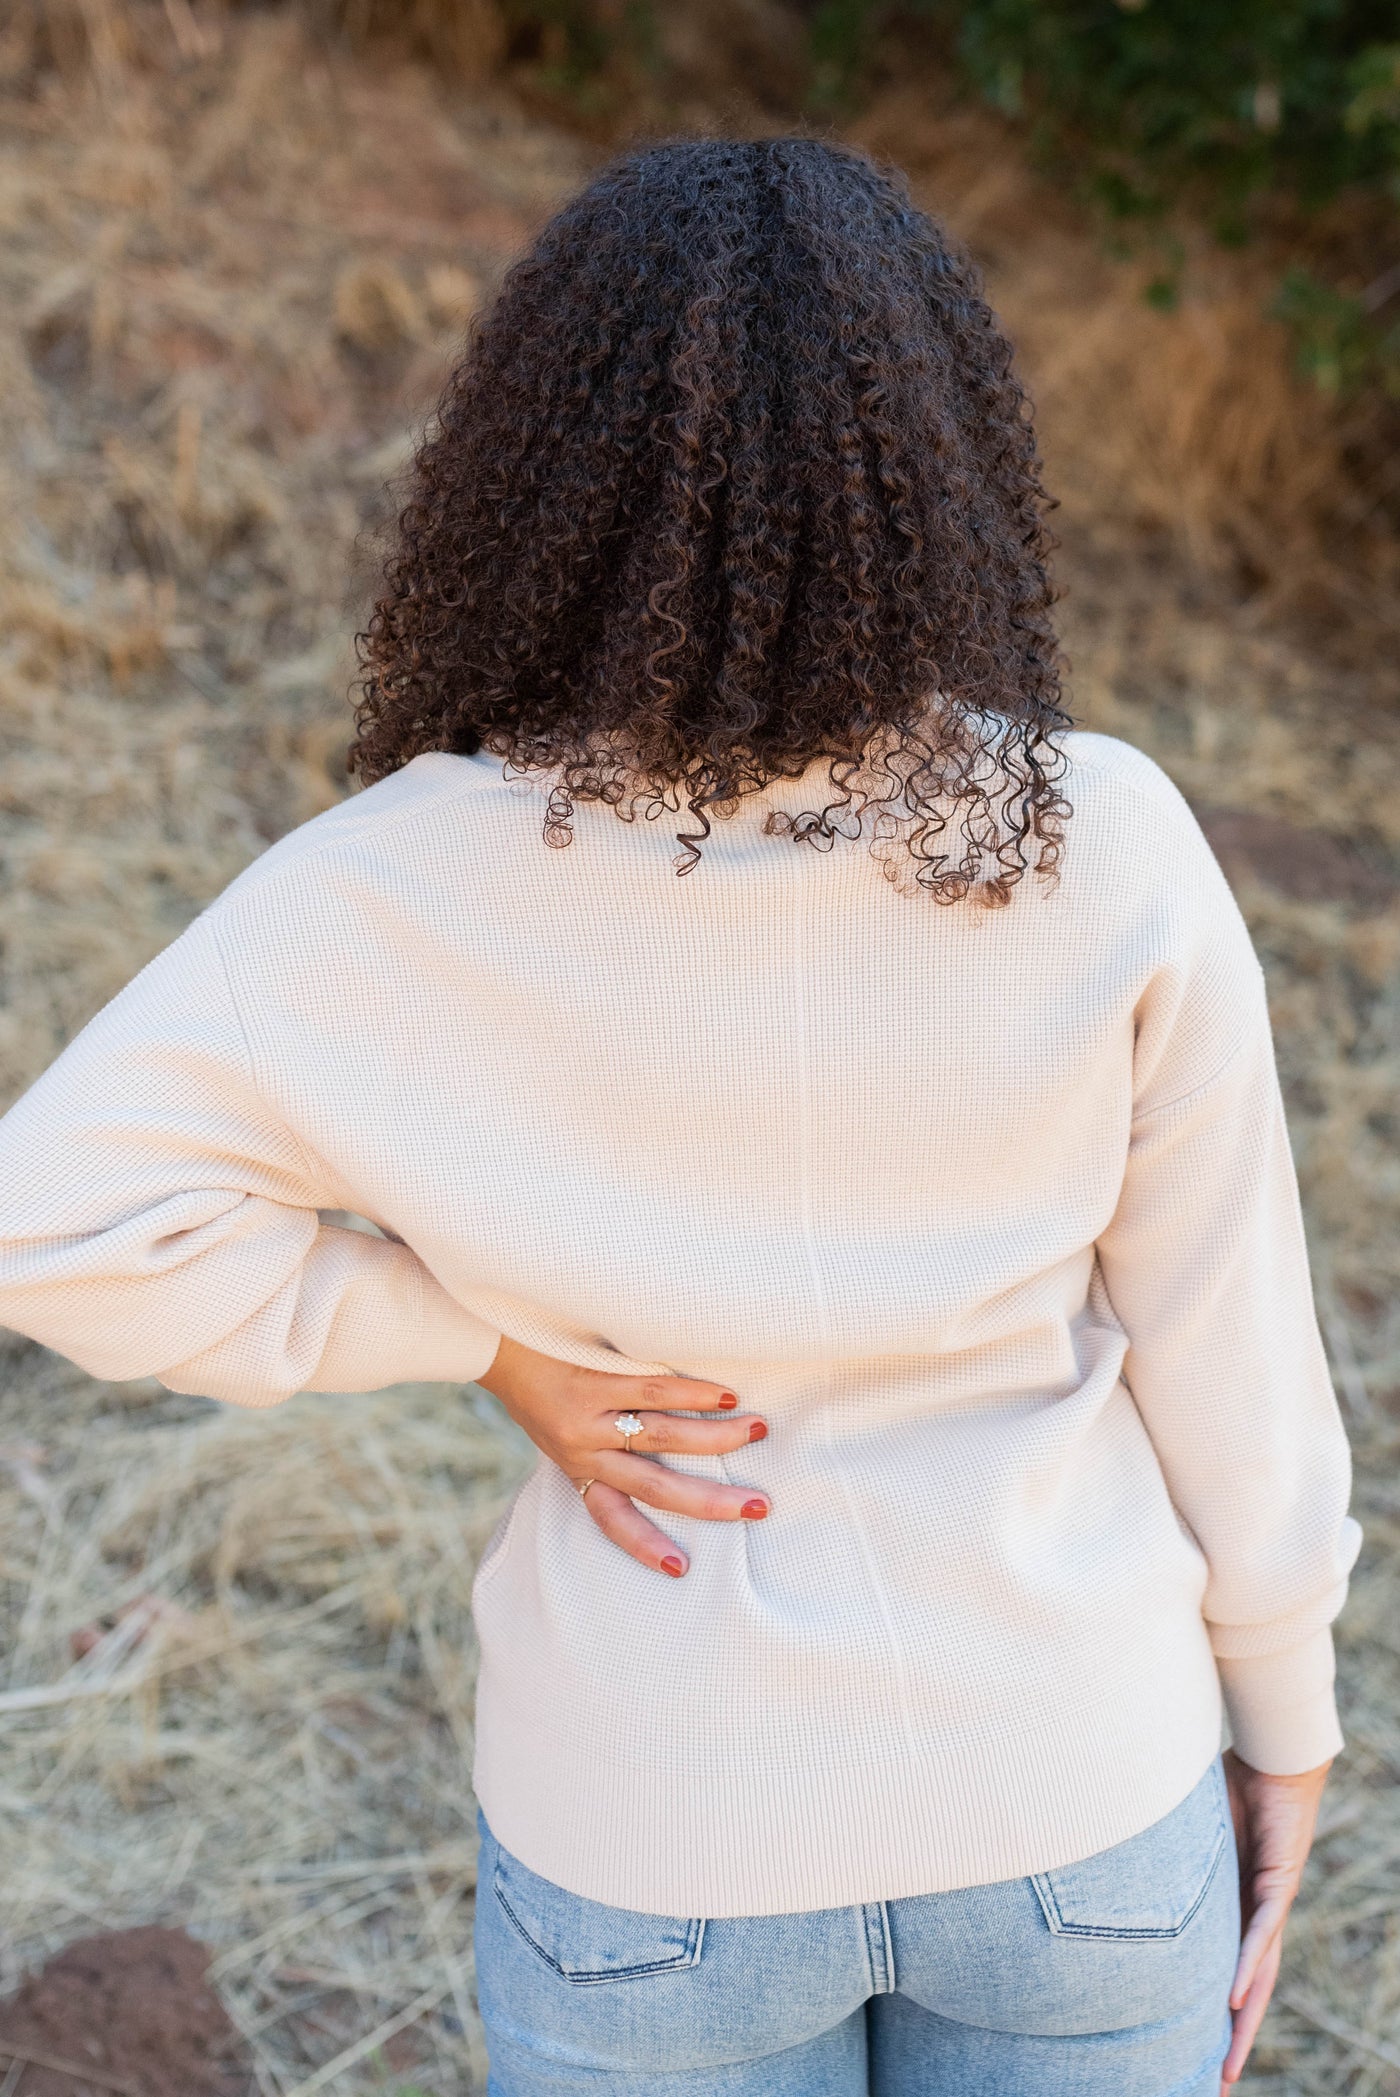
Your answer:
<point x="231" y="276"/>
<point x="276" y="1757"/>
<point x="1190" y="425"/>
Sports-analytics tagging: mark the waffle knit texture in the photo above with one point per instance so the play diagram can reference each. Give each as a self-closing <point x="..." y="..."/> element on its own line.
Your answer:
<point x="991" y="1214"/>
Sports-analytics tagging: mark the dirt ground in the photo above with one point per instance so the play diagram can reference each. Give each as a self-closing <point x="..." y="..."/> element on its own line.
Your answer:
<point x="237" y="1650"/>
<point x="129" y="2010"/>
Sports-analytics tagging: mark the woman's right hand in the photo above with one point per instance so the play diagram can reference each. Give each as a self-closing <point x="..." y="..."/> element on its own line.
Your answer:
<point x="568" y="1414"/>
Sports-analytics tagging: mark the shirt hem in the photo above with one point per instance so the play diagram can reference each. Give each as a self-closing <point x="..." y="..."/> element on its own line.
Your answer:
<point x="642" y="1836"/>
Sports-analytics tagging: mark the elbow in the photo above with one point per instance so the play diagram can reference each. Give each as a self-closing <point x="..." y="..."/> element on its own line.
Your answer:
<point x="204" y="1376"/>
<point x="108" y="1356"/>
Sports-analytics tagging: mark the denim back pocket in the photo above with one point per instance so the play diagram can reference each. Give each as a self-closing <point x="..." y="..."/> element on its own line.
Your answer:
<point x="585" y="1941"/>
<point x="1149" y="1886"/>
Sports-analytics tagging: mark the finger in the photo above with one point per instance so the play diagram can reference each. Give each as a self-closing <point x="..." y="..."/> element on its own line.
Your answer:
<point x="664" y="1394"/>
<point x="589" y="1446"/>
<point x="1265" y="1928"/>
<point x="704" y="1498"/>
<point x="1250" y="2014"/>
<point x="667" y="1434"/>
<point x="630" y="1530"/>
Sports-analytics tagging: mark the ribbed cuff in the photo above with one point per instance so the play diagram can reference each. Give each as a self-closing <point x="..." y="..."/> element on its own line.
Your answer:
<point x="1281" y="1707"/>
<point x="452" y="1346"/>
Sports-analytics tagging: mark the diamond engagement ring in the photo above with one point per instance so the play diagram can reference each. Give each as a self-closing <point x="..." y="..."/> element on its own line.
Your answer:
<point x="628" y="1425"/>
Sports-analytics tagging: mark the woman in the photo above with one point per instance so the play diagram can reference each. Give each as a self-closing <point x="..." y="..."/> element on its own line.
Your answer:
<point x="897" y="1208"/>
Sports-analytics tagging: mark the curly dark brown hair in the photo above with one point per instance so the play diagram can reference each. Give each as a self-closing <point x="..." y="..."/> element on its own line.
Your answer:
<point x="735" y="476"/>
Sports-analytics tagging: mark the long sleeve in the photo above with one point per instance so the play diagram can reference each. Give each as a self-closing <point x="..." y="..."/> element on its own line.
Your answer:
<point x="1206" y="1266"/>
<point x="157" y="1218"/>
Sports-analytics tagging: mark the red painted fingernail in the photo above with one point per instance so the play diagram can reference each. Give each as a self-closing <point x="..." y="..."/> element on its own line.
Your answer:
<point x="727" y="1401"/>
<point x="674" y="1566"/>
<point x="754" y="1510"/>
<point x="759" y="1431"/>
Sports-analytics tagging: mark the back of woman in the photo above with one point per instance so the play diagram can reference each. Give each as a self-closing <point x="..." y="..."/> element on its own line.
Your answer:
<point x="857" y="1142"/>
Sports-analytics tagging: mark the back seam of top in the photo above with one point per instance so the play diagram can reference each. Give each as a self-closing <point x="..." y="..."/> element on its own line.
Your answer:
<point x="807" y="1137"/>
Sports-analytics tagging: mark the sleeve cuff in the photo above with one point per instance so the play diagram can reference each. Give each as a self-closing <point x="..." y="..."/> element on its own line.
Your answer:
<point x="452" y="1346"/>
<point x="1281" y="1708"/>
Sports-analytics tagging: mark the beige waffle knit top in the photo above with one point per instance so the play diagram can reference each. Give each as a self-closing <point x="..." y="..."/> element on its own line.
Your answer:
<point x="990" y="1213"/>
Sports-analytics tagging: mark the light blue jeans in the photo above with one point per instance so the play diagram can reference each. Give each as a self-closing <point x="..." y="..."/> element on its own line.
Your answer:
<point x="1107" y="1978"/>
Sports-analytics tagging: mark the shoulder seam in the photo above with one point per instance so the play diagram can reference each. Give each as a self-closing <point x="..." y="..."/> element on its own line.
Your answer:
<point x="1222" y="1069"/>
<point x="309" y="1173"/>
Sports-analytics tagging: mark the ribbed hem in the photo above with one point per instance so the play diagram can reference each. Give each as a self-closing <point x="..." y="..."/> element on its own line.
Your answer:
<point x="452" y="1345"/>
<point x="1281" y="1708"/>
<point x="633" y="1830"/>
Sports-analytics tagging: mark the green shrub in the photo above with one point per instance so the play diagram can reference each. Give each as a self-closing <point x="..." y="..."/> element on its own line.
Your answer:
<point x="1225" y="98"/>
<point x="1217" y="106"/>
